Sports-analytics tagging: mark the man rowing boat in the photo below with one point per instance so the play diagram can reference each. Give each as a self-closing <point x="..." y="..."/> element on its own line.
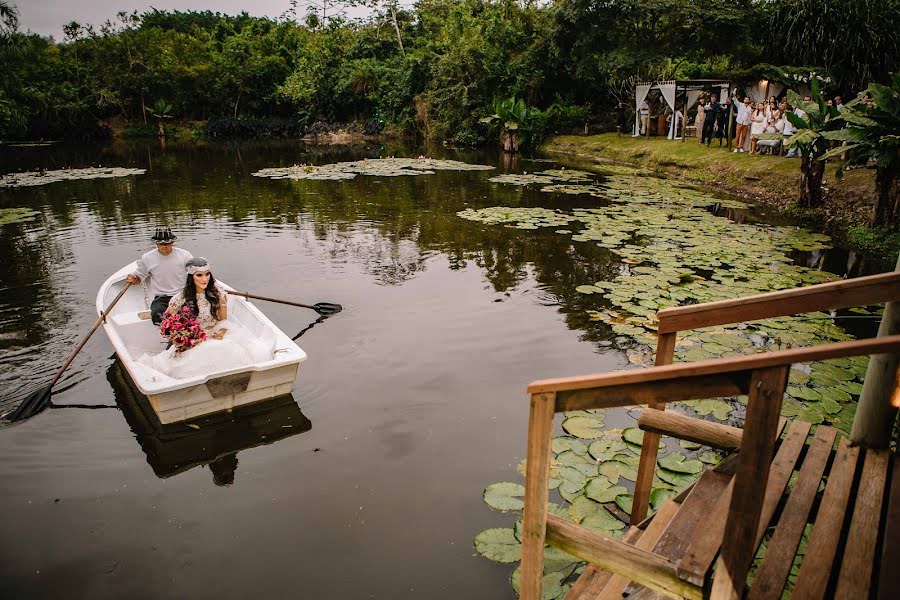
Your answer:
<point x="165" y="267"/>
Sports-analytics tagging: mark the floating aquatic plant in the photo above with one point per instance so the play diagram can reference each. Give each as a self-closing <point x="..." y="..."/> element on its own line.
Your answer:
<point x="376" y="167"/>
<point x="16" y="215"/>
<point x="675" y="251"/>
<point x="33" y="178"/>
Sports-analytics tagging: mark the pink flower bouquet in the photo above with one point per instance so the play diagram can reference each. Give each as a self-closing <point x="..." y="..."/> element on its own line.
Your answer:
<point x="182" y="329"/>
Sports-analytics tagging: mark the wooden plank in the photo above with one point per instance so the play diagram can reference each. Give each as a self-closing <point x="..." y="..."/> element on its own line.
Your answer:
<point x="654" y="392"/>
<point x="734" y="364"/>
<point x="690" y="428"/>
<point x="855" y="577"/>
<point x="693" y="515"/>
<point x="703" y="548"/>
<point x="812" y="581"/>
<point x="593" y="578"/>
<point x="619" y="557"/>
<point x="665" y="351"/>
<point x="537" y="476"/>
<point x="661" y="521"/>
<point x="776" y="566"/>
<point x="763" y="406"/>
<point x="889" y="574"/>
<point x="860" y="291"/>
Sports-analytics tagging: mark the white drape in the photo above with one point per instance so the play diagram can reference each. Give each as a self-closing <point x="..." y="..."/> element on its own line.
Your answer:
<point x="667" y="89"/>
<point x="640" y="94"/>
<point x="692" y="97"/>
<point x="761" y="91"/>
<point x="676" y="123"/>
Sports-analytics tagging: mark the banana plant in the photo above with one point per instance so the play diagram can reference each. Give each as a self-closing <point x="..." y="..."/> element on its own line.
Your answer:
<point x="511" y="115"/>
<point x="871" y="134"/>
<point x="815" y="128"/>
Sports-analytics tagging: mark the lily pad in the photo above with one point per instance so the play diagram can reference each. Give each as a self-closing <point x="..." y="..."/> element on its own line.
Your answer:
<point x="499" y="545"/>
<point x="603" y="520"/>
<point x="505" y="496"/>
<point x="585" y="427"/>
<point x="676" y="461"/>
<point x="601" y="489"/>
<point x="16" y="215"/>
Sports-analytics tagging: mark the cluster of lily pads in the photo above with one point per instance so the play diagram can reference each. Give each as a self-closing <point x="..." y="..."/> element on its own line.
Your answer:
<point x="33" y="178"/>
<point x="377" y="167"/>
<point x="673" y="251"/>
<point x="16" y="215"/>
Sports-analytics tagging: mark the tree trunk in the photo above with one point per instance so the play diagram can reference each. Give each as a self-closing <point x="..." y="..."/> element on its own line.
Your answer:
<point x="143" y="108"/>
<point x="237" y="102"/>
<point x="160" y="128"/>
<point x="397" y="27"/>
<point x="887" y="196"/>
<point x="509" y="140"/>
<point x="811" y="172"/>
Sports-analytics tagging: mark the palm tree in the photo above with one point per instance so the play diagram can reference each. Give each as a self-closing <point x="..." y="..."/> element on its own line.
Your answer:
<point x="9" y="22"/>
<point x="511" y="114"/>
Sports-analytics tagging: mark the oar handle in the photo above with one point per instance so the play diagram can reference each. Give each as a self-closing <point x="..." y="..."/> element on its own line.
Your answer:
<point x="88" y="335"/>
<point x="249" y="295"/>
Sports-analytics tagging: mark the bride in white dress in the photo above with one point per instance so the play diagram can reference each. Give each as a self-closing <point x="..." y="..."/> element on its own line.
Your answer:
<point x="227" y="346"/>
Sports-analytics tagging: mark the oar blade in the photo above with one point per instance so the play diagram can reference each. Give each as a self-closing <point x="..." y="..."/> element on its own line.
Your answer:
<point x="327" y="308"/>
<point x="33" y="403"/>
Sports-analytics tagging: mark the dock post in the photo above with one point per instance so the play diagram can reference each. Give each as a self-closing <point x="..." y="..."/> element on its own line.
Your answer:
<point x="876" y="413"/>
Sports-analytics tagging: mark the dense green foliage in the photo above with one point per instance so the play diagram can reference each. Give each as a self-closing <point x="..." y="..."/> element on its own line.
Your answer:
<point x="435" y="69"/>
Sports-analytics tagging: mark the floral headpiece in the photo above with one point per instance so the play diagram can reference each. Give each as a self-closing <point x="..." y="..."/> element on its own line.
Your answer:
<point x="197" y="265"/>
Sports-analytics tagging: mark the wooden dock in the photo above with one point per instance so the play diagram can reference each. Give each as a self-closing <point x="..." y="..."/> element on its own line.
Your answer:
<point x="701" y="544"/>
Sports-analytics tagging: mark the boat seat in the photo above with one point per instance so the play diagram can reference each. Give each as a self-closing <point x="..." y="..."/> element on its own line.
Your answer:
<point x="128" y="318"/>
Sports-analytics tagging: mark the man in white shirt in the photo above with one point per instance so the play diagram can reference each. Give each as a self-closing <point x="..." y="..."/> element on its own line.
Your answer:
<point x="165" y="269"/>
<point x="743" y="121"/>
<point x="645" y="116"/>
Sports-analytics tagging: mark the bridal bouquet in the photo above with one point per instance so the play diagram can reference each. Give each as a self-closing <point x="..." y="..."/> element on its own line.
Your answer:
<point x="182" y="329"/>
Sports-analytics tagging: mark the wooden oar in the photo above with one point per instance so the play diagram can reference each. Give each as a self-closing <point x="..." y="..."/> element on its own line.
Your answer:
<point x="325" y="309"/>
<point x="37" y="401"/>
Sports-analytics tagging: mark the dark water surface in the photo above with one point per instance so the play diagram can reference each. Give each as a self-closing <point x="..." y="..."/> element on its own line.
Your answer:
<point x="367" y="482"/>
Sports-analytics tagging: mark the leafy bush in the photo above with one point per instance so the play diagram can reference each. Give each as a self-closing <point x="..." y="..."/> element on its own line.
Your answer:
<point x="468" y="138"/>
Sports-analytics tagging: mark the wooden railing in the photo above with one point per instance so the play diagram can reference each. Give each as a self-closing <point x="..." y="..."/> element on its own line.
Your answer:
<point x="763" y="377"/>
<point x="873" y="289"/>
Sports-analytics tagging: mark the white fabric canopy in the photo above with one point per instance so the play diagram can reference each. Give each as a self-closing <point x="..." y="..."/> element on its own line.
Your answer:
<point x="692" y="97"/>
<point x="667" y="89"/>
<point x="640" y="94"/>
<point x="761" y="91"/>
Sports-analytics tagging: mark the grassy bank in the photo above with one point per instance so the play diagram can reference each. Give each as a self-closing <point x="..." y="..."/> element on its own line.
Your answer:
<point x="768" y="180"/>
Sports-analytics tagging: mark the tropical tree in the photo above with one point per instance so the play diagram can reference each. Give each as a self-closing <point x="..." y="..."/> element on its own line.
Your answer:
<point x="510" y="114"/>
<point x="872" y="134"/>
<point x="161" y="110"/>
<point x="815" y="128"/>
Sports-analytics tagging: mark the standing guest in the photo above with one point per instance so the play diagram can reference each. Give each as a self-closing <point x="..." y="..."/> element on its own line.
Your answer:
<point x="771" y="107"/>
<point x="839" y="103"/>
<point x="711" y="111"/>
<point x="829" y="102"/>
<point x="757" y="125"/>
<point x="645" y="116"/>
<point x="698" y="121"/>
<point x="721" y="126"/>
<point x="165" y="269"/>
<point x="743" y="122"/>
<point x="789" y="130"/>
<point x="622" y="117"/>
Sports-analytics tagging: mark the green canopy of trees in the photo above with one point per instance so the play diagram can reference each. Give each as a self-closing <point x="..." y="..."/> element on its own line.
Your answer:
<point x="436" y="68"/>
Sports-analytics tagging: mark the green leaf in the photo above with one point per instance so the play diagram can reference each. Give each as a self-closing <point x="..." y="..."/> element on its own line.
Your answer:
<point x="602" y="490"/>
<point x="675" y="461"/>
<point x="505" y="496"/>
<point x="625" y="502"/>
<point x="659" y="496"/>
<point x="499" y="545"/>
<point x="586" y="427"/>
<point x="603" y="520"/>
<point x="582" y="507"/>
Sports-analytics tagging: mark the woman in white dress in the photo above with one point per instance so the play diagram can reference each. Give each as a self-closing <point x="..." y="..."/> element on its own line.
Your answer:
<point x="226" y="347"/>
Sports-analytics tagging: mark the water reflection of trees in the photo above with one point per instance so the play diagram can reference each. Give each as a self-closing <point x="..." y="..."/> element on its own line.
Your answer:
<point x="388" y="226"/>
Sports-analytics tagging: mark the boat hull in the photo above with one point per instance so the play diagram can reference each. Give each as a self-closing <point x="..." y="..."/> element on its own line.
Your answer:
<point x="132" y="335"/>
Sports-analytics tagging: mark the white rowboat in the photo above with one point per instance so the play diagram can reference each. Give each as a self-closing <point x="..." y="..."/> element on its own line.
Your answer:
<point x="132" y="334"/>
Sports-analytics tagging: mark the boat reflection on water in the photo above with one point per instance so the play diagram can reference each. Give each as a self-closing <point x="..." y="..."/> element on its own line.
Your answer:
<point x="212" y="440"/>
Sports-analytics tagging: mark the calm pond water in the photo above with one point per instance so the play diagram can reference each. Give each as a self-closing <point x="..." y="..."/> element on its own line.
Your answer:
<point x="366" y="483"/>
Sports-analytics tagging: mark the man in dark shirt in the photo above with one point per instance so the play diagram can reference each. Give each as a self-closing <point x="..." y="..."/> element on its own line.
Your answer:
<point x="712" y="111"/>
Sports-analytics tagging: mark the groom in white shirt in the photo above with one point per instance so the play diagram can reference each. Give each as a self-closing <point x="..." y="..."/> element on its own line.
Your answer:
<point x="165" y="269"/>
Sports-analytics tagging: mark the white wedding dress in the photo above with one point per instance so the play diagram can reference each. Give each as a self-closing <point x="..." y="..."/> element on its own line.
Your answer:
<point x="235" y="350"/>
